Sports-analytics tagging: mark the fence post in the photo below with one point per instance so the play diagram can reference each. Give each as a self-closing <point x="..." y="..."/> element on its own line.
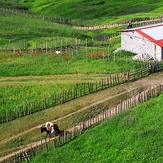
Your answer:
<point x="118" y="79"/>
<point x="139" y="100"/>
<point x="120" y="106"/>
<point x="6" y="117"/>
<point x="55" y="144"/>
<point x="110" y="80"/>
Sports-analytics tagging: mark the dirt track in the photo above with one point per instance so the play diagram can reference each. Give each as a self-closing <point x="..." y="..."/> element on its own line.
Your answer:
<point x="117" y="25"/>
<point x="154" y="79"/>
<point x="26" y="147"/>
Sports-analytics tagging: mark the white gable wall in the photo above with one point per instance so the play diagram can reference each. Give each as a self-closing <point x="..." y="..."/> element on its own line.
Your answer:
<point x="136" y="43"/>
<point x="158" y="53"/>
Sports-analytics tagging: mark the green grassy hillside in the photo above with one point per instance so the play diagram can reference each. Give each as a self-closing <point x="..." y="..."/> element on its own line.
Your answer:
<point x="96" y="11"/>
<point x="39" y="24"/>
<point x="135" y="135"/>
<point x="17" y="26"/>
<point x="27" y="19"/>
<point x="84" y="12"/>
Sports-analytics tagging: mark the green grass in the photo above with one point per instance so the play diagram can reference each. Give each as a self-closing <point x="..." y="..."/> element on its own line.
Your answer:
<point x="21" y="29"/>
<point x="96" y="12"/>
<point x="29" y="89"/>
<point x="9" y="142"/>
<point x="47" y="65"/>
<point x="20" y="24"/>
<point x="26" y="29"/>
<point x="135" y="135"/>
<point x="85" y="60"/>
<point x="23" y="93"/>
<point x="19" y="94"/>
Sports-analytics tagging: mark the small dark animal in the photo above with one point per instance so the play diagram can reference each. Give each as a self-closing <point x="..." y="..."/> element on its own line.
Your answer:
<point x="129" y="25"/>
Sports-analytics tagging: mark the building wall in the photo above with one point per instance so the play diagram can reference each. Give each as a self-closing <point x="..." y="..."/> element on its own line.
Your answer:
<point x="158" y="53"/>
<point x="136" y="43"/>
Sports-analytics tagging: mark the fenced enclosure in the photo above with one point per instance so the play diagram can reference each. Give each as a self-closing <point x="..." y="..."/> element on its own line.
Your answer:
<point x="46" y="145"/>
<point x="69" y="48"/>
<point x="144" y="71"/>
<point x="49" y="44"/>
<point x="77" y="91"/>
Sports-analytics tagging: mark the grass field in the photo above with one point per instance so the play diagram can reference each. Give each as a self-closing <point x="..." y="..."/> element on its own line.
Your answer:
<point x="27" y="21"/>
<point x="47" y="64"/>
<point x="19" y="27"/>
<point x="28" y="76"/>
<point x="96" y="12"/>
<point x="29" y="82"/>
<point x="133" y="136"/>
<point x="14" y="135"/>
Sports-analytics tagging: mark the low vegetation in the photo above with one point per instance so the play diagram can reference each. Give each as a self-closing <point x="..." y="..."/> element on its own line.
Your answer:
<point x="93" y="62"/>
<point x="96" y="12"/>
<point x="20" y="129"/>
<point x="27" y="87"/>
<point x="23" y="29"/>
<point x="30" y="34"/>
<point x="133" y="136"/>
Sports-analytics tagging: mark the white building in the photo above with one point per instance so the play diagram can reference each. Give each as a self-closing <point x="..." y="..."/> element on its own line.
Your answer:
<point x="144" y="40"/>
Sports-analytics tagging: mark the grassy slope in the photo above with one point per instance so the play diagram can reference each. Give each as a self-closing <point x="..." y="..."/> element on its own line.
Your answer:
<point x="31" y="87"/>
<point x="19" y="28"/>
<point x="15" y="27"/>
<point x="9" y="142"/>
<point x="96" y="10"/>
<point x="135" y="135"/>
<point x="85" y="10"/>
<point x="53" y="64"/>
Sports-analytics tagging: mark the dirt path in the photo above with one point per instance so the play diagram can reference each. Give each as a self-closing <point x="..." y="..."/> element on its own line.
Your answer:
<point x="33" y="144"/>
<point x="80" y="110"/>
<point x="149" y="81"/>
<point x="116" y="25"/>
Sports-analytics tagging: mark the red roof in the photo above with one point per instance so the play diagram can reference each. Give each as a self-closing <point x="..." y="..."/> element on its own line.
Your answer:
<point x="152" y="32"/>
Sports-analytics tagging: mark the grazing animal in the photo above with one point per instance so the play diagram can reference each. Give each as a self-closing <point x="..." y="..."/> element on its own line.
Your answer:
<point x="56" y="130"/>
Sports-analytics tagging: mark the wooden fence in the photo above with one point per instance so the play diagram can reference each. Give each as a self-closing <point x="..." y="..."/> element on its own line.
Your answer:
<point x="78" y="91"/>
<point x="143" y="71"/>
<point x="51" y="46"/>
<point x="47" y="145"/>
<point x="136" y="21"/>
